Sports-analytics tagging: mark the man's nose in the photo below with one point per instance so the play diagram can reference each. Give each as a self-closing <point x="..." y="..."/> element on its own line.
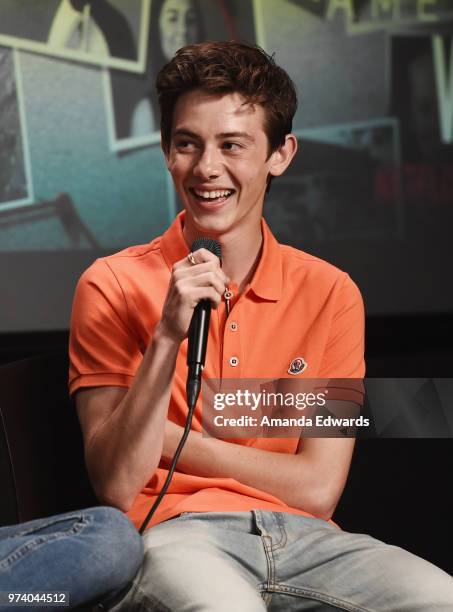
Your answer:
<point x="208" y="164"/>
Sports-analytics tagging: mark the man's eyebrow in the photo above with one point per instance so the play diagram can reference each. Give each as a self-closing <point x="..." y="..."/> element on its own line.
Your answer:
<point x="186" y="132"/>
<point x="243" y="135"/>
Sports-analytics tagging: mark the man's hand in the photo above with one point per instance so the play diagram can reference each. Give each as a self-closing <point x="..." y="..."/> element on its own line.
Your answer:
<point x="311" y="480"/>
<point x="189" y="284"/>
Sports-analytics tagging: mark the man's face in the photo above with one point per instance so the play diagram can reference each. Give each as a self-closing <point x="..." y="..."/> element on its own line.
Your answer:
<point x="218" y="161"/>
<point x="177" y="26"/>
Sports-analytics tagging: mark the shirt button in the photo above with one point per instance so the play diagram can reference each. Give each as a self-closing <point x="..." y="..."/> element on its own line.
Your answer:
<point x="228" y="295"/>
<point x="233" y="326"/>
<point x="234" y="361"/>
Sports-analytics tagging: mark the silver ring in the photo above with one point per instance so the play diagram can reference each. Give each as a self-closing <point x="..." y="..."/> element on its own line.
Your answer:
<point x="191" y="258"/>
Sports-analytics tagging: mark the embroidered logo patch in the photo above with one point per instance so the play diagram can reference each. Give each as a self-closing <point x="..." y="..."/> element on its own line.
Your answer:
<point x="297" y="366"/>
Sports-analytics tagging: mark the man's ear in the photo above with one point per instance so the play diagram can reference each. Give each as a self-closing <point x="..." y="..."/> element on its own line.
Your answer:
<point x="282" y="157"/>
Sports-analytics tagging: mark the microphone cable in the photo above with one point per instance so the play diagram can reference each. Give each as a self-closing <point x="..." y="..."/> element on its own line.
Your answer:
<point x="196" y="353"/>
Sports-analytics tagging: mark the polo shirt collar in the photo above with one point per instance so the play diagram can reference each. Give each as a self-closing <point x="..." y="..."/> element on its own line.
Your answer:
<point x="268" y="278"/>
<point x="173" y="245"/>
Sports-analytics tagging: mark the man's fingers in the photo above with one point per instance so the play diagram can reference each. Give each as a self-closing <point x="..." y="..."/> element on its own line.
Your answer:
<point x="184" y="269"/>
<point x="203" y="255"/>
<point x="193" y="279"/>
<point x="209" y="279"/>
<point x="188" y="286"/>
<point x="197" y="257"/>
<point x="205" y="293"/>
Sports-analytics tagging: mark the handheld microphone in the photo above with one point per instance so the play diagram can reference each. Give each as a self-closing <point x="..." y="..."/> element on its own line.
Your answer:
<point x="198" y="332"/>
<point x="196" y="354"/>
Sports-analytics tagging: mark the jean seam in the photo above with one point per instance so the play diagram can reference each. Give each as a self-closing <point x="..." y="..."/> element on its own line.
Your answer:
<point x="308" y="593"/>
<point x="22" y="550"/>
<point x="264" y="587"/>
<point x="270" y="567"/>
<point x="278" y="516"/>
<point x="52" y="521"/>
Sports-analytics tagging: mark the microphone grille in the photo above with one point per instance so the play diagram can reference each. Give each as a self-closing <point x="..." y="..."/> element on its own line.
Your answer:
<point x="207" y="243"/>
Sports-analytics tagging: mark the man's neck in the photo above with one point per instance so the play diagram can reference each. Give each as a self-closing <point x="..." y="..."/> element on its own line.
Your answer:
<point x="240" y="258"/>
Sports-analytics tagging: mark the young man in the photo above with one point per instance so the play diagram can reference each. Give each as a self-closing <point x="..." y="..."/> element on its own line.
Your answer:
<point x="244" y="525"/>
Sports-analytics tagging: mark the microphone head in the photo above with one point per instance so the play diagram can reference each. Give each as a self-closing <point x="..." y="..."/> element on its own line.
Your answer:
<point x="207" y="243"/>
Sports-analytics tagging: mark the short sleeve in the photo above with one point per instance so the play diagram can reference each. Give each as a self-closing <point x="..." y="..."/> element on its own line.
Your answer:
<point x="103" y="349"/>
<point x="344" y="353"/>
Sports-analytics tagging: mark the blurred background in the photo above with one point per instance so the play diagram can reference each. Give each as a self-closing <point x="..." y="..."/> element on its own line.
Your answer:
<point x="82" y="174"/>
<point x="371" y="188"/>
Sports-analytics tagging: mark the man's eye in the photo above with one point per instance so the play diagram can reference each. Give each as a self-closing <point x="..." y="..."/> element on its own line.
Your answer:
<point x="184" y="144"/>
<point x="231" y="146"/>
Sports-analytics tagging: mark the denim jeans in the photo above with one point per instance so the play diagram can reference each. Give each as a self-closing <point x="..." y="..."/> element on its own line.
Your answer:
<point x="85" y="553"/>
<point x="256" y="561"/>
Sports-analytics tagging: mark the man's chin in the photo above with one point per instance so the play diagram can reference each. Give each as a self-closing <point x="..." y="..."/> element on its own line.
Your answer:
<point x="210" y="224"/>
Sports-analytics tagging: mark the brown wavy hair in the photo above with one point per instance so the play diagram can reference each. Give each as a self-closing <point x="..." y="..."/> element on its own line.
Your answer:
<point x="227" y="67"/>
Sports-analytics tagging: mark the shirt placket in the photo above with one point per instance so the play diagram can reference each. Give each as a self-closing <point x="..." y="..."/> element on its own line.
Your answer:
<point x="231" y="335"/>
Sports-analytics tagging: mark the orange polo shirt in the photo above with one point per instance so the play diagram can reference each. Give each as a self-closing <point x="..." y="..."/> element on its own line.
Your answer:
<point x="296" y="305"/>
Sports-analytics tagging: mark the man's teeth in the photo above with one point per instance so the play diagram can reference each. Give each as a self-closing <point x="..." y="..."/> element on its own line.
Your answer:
<point x="212" y="195"/>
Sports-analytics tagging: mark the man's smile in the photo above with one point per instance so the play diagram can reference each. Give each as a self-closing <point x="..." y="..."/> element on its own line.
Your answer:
<point x="211" y="197"/>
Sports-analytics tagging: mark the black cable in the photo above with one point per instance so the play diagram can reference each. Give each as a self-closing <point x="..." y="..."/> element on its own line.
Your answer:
<point x="170" y="471"/>
<point x="196" y="354"/>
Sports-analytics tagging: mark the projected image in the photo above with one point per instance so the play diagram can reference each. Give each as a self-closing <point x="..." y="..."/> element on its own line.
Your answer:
<point x="369" y="15"/>
<point x="351" y="85"/>
<point x="421" y="97"/>
<point x="332" y="192"/>
<point x="15" y="180"/>
<point x="131" y="101"/>
<point x="105" y="32"/>
<point x="68" y="229"/>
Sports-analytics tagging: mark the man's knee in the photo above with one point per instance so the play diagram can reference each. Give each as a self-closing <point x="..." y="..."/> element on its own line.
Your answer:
<point x="192" y="573"/>
<point x="118" y="544"/>
<point x="417" y="584"/>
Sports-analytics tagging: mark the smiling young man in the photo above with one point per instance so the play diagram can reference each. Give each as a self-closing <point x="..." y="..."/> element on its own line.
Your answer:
<point x="244" y="525"/>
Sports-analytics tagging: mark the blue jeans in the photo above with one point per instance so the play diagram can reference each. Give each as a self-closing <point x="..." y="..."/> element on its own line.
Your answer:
<point x="257" y="561"/>
<point x="86" y="553"/>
